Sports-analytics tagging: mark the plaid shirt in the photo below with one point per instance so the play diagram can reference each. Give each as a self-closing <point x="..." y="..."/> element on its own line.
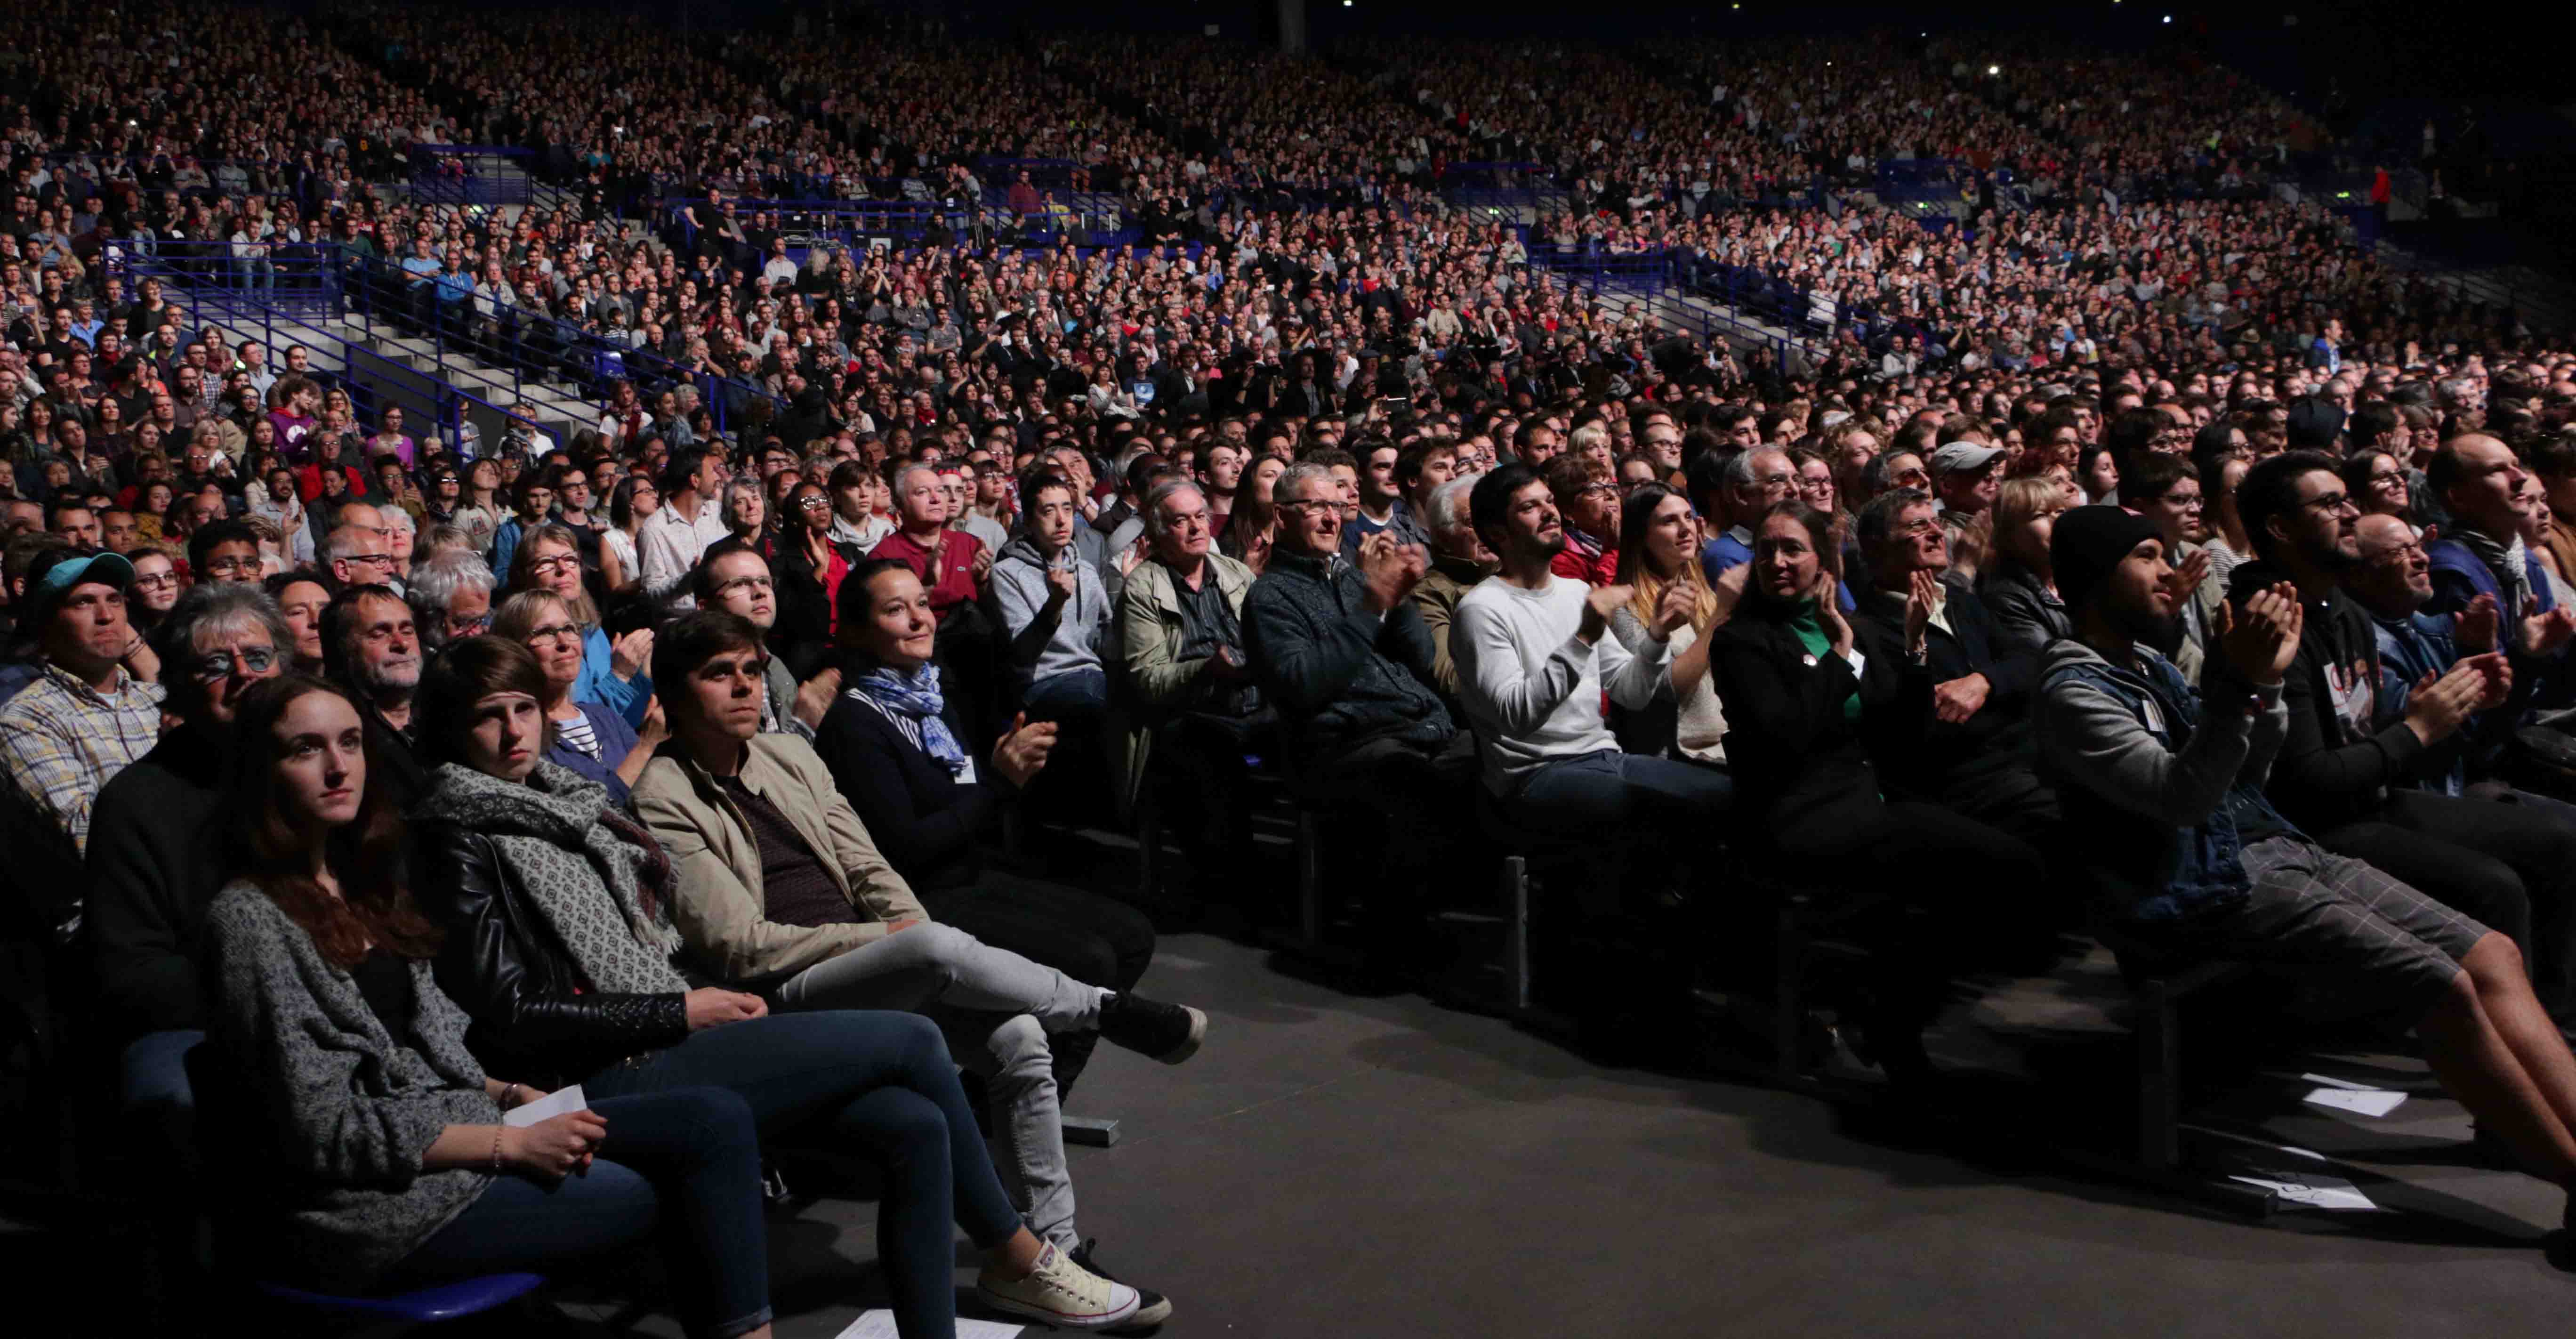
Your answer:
<point x="60" y="740"/>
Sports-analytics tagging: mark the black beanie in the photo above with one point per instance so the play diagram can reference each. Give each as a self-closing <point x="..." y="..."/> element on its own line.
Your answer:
<point x="2086" y="543"/>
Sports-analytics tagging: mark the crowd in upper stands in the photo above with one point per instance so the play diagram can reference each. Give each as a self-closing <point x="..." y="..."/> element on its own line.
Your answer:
<point x="416" y="774"/>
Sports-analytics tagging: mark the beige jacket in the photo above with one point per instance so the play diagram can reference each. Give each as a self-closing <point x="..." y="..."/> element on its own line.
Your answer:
<point x="718" y="905"/>
<point x="1156" y="680"/>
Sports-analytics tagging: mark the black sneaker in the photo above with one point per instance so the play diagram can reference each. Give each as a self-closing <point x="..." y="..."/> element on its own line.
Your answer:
<point x="1152" y="1308"/>
<point x="1170" y="1033"/>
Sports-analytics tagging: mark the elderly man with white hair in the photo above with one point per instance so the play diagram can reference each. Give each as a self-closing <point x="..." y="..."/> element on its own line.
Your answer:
<point x="451" y="598"/>
<point x="1458" y="561"/>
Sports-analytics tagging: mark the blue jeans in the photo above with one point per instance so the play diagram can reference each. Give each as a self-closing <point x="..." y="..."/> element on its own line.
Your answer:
<point x="153" y="1085"/>
<point x="687" y="1161"/>
<point x="1076" y="697"/>
<point x="1631" y="801"/>
<point x="877" y="1081"/>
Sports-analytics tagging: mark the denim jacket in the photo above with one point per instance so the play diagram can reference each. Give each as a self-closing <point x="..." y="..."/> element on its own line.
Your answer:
<point x="2411" y="647"/>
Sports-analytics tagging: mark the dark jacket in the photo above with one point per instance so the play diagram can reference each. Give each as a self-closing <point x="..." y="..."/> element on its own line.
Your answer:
<point x="1338" y="674"/>
<point x="155" y="864"/>
<point x="1800" y="759"/>
<point x="2026" y="617"/>
<point x="926" y="823"/>
<point x="399" y="766"/>
<point x="1947" y="757"/>
<point x="535" y="1017"/>
<point x="2337" y="763"/>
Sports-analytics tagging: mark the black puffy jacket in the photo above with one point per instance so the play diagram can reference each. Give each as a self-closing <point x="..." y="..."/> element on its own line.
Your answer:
<point x="535" y="1017"/>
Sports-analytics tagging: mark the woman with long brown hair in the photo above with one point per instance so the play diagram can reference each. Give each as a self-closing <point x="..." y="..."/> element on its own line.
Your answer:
<point x="344" y="1069"/>
<point x="1659" y="546"/>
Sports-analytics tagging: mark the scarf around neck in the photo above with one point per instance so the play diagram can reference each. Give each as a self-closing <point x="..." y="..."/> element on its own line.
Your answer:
<point x="592" y="872"/>
<point x="915" y="697"/>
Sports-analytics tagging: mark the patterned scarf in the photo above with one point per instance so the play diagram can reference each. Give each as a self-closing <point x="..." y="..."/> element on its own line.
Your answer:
<point x="916" y="697"/>
<point x="594" y="874"/>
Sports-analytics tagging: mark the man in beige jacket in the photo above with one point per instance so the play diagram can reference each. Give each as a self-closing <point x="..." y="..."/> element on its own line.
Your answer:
<point x="781" y="890"/>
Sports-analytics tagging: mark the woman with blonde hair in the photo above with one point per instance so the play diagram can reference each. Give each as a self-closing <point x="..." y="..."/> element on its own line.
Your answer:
<point x="2017" y="586"/>
<point x="1659" y="546"/>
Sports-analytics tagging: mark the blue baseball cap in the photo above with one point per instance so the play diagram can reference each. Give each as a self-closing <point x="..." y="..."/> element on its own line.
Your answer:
<point x="53" y="575"/>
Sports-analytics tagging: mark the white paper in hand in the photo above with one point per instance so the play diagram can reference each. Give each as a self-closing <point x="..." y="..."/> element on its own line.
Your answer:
<point x="553" y="1104"/>
<point x="879" y="1324"/>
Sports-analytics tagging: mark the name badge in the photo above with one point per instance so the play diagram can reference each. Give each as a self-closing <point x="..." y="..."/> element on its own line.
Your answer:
<point x="1810" y="661"/>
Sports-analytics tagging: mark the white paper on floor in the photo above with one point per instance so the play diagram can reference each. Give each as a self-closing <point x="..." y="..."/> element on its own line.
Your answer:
<point x="879" y="1324"/>
<point x="553" y="1104"/>
<point x="2360" y="1099"/>
<point x="2315" y="1190"/>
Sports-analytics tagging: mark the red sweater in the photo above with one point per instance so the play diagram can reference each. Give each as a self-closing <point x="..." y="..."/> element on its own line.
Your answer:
<point x="955" y="583"/>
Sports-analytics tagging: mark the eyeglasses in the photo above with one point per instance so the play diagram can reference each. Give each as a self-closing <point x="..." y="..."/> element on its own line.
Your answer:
<point x="231" y="567"/>
<point x="1600" y="489"/>
<point x="561" y="562"/>
<point x="2332" y="502"/>
<point x="469" y="627"/>
<point x="555" y="632"/>
<point x="815" y="503"/>
<point x="383" y="562"/>
<point x="2186" y="501"/>
<point x="157" y="580"/>
<point x="216" y="666"/>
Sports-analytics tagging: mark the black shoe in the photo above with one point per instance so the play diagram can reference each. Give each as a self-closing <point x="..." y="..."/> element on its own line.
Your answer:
<point x="1170" y="1033"/>
<point x="1152" y="1308"/>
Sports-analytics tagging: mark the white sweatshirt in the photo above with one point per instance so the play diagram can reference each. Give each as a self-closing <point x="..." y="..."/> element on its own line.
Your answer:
<point x="1533" y="690"/>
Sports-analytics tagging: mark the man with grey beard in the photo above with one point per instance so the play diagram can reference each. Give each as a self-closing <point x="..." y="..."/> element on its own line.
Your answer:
<point x="370" y="645"/>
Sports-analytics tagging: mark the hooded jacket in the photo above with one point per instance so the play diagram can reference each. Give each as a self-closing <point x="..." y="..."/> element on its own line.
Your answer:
<point x="2167" y="793"/>
<point x="1040" y="649"/>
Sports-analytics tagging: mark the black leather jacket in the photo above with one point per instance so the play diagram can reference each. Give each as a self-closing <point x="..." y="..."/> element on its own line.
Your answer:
<point x="535" y="1018"/>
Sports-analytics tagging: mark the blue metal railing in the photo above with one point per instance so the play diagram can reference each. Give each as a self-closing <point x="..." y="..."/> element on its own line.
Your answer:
<point x="201" y="277"/>
<point x="444" y="315"/>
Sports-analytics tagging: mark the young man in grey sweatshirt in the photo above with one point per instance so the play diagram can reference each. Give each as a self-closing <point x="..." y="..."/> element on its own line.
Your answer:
<point x="1053" y="609"/>
<point x="2191" y="861"/>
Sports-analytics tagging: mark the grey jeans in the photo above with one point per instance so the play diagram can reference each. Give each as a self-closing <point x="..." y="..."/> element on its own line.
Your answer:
<point x="996" y="1009"/>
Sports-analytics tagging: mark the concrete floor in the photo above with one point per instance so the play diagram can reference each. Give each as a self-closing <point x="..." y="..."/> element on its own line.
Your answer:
<point x="1348" y="1166"/>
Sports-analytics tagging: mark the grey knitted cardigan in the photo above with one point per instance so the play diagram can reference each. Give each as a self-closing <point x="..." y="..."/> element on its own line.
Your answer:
<point x="350" y="1113"/>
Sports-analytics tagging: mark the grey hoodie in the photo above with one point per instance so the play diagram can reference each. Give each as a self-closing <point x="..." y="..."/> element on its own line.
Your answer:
<point x="1020" y="591"/>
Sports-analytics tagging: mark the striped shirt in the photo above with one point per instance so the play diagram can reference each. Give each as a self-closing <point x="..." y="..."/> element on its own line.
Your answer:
<point x="574" y="733"/>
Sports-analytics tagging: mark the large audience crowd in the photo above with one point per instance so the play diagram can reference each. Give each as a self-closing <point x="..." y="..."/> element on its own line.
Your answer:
<point x="364" y="782"/>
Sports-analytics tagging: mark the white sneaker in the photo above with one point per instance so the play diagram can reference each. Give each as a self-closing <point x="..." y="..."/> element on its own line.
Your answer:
<point x="1060" y="1293"/>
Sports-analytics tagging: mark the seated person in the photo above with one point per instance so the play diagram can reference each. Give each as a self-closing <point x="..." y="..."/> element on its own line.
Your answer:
<point x="738" y="581"/>
<point x="1659" y="551"/>
<point x="1975" y="755"/>
<point x="2511" y="866"/>
<point x="613" y="671"/>
<point x="1458" y="562"/>
<point x="1587" y="499"/>
<point x="2014" y="585"/>
<point x="587" y="737"/>
<point x="2193" y="862"/>
<point x="1534" y="662"/>
<point x="781" y="889"/>
<point x="451" y="598"/>
<point x="2166" y="488"/>
<point x="1054" y="615"/>
<point x="1810" y="697"/>
<point x="1188" y="679"/>
<point x="1340" y="651"/>
<point x="559" y="943"/>
<point x="372" y="1134"/>
<point x="893" y="746"/>
<point x="156" y="857"/>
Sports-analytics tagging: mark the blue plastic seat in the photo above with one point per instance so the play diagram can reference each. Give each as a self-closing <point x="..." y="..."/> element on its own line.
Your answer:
<point x="447" y="1301"/>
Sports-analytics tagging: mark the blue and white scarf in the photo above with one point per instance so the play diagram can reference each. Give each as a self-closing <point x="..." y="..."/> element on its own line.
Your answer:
<point x="916" y="697"/>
